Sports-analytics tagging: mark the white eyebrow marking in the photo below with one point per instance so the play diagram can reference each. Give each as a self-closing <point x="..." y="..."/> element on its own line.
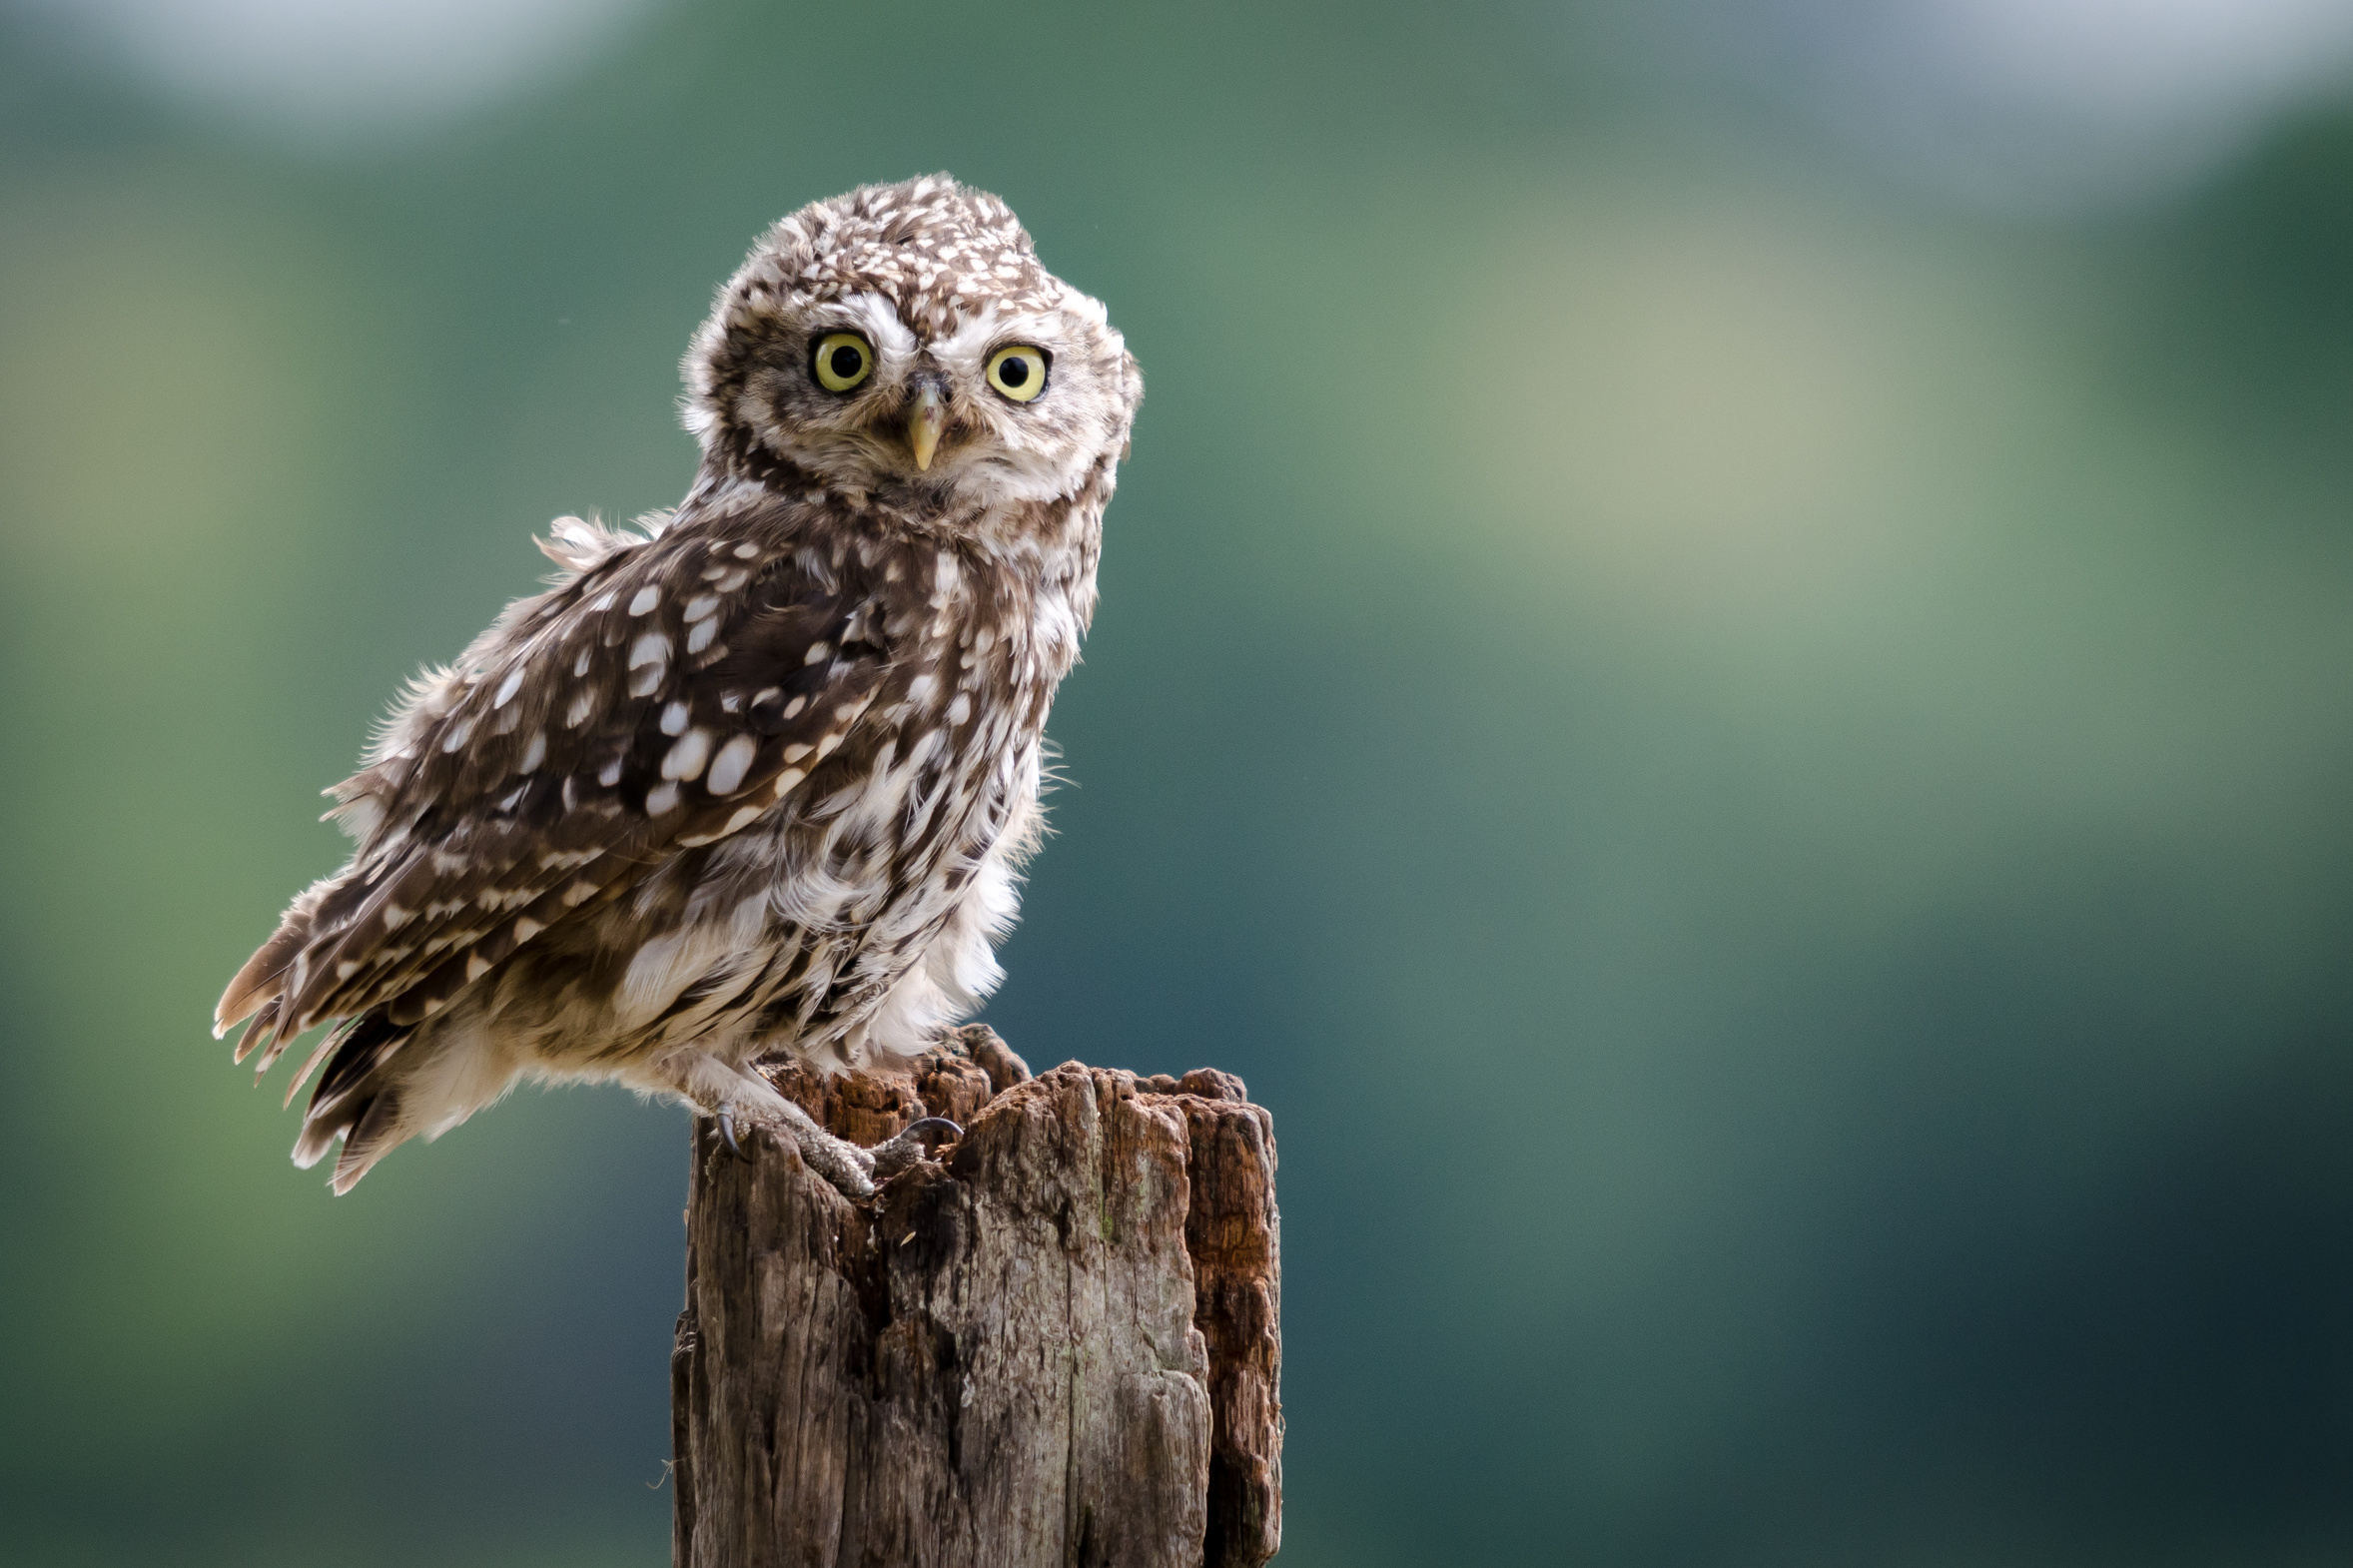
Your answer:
<point x="879" y="320"/>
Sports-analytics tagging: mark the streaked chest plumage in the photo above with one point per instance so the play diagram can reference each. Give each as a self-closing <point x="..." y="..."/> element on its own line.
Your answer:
<point x="930" y="670"/>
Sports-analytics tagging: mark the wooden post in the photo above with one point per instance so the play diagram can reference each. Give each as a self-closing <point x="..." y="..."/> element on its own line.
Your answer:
<point x="1060" y="1344"/>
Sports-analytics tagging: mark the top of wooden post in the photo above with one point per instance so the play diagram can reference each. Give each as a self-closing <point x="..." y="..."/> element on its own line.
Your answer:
<point x="1058" y="1343"/>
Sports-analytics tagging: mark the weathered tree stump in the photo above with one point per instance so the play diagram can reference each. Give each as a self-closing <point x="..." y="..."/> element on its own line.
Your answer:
<point x="1058" y="1344"/>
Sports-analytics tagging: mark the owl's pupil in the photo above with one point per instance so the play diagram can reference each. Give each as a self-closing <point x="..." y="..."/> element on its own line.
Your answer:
<point x="1014" y="372"/>
<point x="846" y="362"/>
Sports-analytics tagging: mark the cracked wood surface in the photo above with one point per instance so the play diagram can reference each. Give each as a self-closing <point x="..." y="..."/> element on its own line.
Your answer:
<point x="1060" y="1344"/>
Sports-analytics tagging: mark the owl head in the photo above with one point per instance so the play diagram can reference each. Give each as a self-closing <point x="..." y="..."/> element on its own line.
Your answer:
<point x="903" y="338"/>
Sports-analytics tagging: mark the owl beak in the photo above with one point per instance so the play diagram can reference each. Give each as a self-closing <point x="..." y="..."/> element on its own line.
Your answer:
<point x="925" y="420"/>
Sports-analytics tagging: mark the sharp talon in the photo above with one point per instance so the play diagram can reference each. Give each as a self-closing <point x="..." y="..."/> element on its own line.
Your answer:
<point x="932" y="1129"/>
<point x="914" y="1142"/>
<point x="727" y="1136"/>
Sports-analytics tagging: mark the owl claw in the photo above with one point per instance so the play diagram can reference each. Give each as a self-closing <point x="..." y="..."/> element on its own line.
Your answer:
<point x="915" y="1142"/>
<point x="728" y="1133"/>
<point x="932" y="1129"/>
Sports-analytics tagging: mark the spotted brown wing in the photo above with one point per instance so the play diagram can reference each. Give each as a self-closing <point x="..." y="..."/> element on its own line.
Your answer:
<point x="662" y="701"/>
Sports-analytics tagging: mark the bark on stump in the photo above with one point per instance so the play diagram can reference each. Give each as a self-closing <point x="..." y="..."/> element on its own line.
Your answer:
<point x="1058" y="1344"/>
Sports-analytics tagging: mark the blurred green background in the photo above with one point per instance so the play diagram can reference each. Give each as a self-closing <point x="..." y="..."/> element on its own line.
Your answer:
<point x="1723" y="674"/>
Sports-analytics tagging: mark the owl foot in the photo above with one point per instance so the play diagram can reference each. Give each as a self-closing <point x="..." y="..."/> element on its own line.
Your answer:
<point x="852" y="1170"/>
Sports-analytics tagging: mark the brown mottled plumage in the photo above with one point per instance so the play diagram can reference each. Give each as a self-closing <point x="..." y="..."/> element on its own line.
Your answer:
<point x="759" y="779"/>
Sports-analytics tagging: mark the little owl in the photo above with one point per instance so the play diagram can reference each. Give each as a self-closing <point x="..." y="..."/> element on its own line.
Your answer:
<point x="764" y="778"/>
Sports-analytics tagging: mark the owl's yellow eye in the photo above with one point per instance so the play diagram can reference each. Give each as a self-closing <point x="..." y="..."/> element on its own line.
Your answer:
<point x="1018" y="371"/>
<point x="843" y="360"/>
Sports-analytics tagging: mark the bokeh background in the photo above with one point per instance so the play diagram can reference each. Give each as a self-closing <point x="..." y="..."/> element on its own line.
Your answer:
<point x="1725" y="675"/>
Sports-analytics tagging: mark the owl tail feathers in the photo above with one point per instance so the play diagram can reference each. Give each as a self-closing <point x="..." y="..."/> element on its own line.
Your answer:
<point x="260" y="981"/>
<point x="357" y="1101"/>
<point x="277" y="970"/>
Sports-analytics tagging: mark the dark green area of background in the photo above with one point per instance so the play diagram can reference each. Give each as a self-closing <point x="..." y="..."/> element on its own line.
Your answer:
<point x="1757" y="770"/>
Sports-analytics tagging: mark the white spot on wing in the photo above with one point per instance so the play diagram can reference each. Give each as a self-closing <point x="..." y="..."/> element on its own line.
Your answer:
<point x="647" y="597"/>
<point x="732" y="762"/>
<point x="685" y="760"/>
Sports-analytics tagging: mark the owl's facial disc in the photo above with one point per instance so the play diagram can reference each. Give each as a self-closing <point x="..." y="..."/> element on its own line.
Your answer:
<point x="903" y="341"/>
<point x="989" y="405"/>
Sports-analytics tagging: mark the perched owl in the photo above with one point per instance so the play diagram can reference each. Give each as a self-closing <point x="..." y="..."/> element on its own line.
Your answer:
<point x="763" y="778"/>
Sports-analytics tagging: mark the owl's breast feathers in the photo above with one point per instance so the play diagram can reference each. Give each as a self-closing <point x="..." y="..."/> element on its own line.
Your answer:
<point x="754" y="661"/>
